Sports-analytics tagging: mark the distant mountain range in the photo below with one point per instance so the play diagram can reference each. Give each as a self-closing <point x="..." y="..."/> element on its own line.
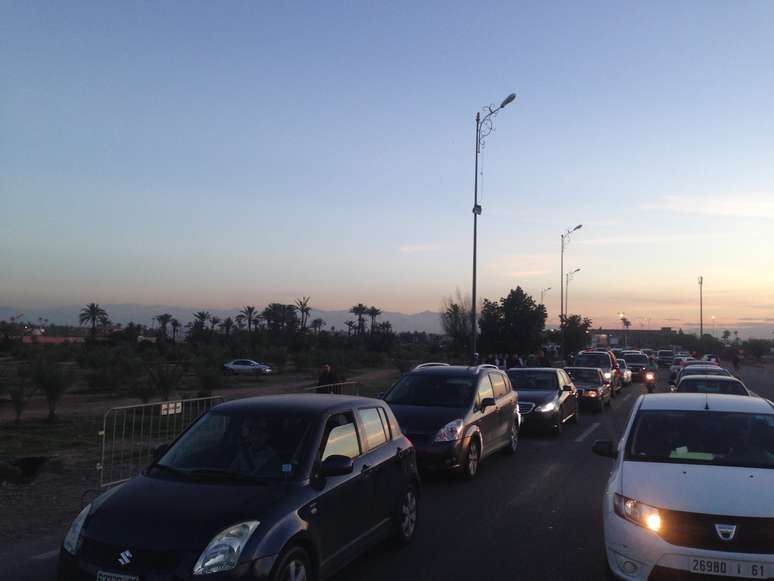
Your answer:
<point x="143" y="314"/>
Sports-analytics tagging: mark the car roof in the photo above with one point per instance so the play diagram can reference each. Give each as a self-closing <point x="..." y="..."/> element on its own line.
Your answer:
<point x="700" y="401"/>
<point x="582" y="368"/>
<point x="472" y="371"/>
<point x="305" y="403"/>
<point x="727" y="378"/>
<point x="705" y="366"/>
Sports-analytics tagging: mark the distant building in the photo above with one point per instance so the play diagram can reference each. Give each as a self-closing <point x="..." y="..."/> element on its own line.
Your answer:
<point x="663" y="337"/>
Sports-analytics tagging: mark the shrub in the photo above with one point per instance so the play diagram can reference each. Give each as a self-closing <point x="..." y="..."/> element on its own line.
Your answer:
<point x="372" y="359"/>
<point x="302" y="360"/>
<point x="210" y="379"/>
<point x="53" y="381"/>
<point x="278" y="357"/>
<point x="165" y="379"/>
<point x="402" y="362"/>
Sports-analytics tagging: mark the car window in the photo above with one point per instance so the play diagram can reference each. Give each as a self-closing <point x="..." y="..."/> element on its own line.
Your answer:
<point x="700" y="385"/>
<point x="636" y="358"/>
<point x="341" y="437"/>
<point x="601" y="360"/>
<point x="484" y="389"/>
<point x="533" y="379"/>
<point x="387" y="425"/>
<point x="375" y="430"/>
<point x="585" y="375"/>
<point x="498" y="384"/>
<point x="432" y="390"/>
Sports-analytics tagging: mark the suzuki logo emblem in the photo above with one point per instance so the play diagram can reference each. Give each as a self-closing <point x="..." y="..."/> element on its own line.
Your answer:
<point x="725" y="532"/>
<point x="125" y="558"/>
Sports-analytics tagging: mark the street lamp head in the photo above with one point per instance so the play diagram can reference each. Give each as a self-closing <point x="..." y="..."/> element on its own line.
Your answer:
<point x="576" y="270"/>
<point x="509" y="99"/>
<point x="578" y="227"/>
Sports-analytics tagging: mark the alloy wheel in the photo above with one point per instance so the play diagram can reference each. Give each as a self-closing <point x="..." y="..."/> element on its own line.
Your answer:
<point x="295" y="571"/>
<point x="408" y="514"/>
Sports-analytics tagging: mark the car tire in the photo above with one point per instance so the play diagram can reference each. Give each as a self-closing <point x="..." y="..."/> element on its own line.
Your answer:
<point x="407" y="516"/>
<point x="472" y="459"/>
<point x="293" y="564"/>
<point x="513" y="439"/>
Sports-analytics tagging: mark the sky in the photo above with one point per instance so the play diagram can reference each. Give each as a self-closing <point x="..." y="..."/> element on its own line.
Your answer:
<point x="220" y="154"/>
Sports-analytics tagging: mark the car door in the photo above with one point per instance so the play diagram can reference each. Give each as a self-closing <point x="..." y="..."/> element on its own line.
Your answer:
<point x="506" y="404"/>
<point x="487" y="420"/>
<point x="384" y="466"/>
<point x="568" y="400"/>
<point x="340" y="515"/>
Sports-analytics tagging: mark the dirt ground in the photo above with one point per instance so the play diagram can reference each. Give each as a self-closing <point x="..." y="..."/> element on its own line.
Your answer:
<point x="70" y="479"/>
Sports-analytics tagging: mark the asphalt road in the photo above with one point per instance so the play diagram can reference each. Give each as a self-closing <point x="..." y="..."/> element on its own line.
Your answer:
<point x="534" y="515"/>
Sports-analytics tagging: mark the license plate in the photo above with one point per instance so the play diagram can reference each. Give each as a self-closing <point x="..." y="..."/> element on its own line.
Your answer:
<point x="723" y="568"/>
<point x="102" y="576"/>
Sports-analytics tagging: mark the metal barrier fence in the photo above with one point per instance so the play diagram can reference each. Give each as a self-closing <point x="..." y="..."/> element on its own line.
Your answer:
<point x="131" y="433"/>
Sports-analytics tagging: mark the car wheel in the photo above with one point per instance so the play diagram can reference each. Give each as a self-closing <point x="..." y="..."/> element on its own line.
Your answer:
<point x="293" y="565"/>
<point x="513" y="439"/>
<point x="407" y="516"/>
<point x="472" y="459"/>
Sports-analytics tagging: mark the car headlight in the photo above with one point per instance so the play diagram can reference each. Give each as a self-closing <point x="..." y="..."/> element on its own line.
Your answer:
<point x="650" y="376"/>
<point x="222" y="554"/>
<point x="547" y="407"/>
<point x="450" y="432"/>
<point x="608" y="374"/>
<point x="637" y="512"/>
<point x="72" y="540"/>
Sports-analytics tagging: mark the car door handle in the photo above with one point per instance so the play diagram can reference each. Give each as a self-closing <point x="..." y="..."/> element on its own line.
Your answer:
<point x="365" y="469"/>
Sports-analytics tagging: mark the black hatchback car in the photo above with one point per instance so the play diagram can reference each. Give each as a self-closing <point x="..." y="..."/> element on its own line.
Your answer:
<point x="276" y="488"/>
<point x="547" y="397"/>
<point x="456" y="416"/>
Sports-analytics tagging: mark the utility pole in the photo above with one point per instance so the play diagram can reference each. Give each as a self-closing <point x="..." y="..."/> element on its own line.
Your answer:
<point x="562" y="314"/>
<point x="701" y="307"/>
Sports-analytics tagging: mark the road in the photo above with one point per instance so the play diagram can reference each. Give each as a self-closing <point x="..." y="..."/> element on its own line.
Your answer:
<point x="535" y="515"/>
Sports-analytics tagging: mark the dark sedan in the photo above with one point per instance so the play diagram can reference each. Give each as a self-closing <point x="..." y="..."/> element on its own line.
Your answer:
<point x="593" y="389"/>
<point x="456" y="416"/>
<point x="273" y="488"/>
<point x="547" y="397"/>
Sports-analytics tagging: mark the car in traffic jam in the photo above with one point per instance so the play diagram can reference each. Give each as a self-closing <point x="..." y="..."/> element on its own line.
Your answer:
<point x="548" y="397"/>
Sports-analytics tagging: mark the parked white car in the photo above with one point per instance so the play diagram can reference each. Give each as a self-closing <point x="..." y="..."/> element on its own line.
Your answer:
<point x="246" y="367"/>
<point x="691" y="492"/>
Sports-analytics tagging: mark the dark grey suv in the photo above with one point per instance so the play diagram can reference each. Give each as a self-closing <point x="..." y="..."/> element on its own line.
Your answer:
<point x="456" y="416"/>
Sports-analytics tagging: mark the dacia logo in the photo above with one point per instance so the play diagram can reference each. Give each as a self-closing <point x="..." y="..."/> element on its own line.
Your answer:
<point x="725" y="532"/>
<point x="125" y="558"/>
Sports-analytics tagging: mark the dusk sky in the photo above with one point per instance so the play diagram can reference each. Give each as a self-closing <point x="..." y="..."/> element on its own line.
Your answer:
<point x="215" y="154"/>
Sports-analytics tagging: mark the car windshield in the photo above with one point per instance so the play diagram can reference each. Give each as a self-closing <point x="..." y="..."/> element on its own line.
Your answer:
<point x="533" y="379"/>
<point x="701" y="385"/>
<point x="665" y="354"/>
<point x="703" y="437"/>
<point x="588" y="376"/>
<point x="600" y="360"/>
<point x="636" y="358"/>
<point x="239" y="447"/>
<point x="432" y="390"/>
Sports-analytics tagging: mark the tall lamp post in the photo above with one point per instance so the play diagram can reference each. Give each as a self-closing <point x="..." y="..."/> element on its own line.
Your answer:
<point x="565" y="242"/>
<point x="543" y="293"/>
<point x="568" y="277"/>
<point x="484" y="127"/>
<point x="622" y="316"/>
<point x="701" y="307"/>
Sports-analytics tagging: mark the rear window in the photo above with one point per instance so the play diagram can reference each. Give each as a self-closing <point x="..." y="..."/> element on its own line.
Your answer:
<point x="700" y="385"/>
<point x="528" y="379"/>
<point x="666" y="354"/>
<point x="600" y="360"/>
<point x="585" y="376"/>
<point x="635" y="358"/>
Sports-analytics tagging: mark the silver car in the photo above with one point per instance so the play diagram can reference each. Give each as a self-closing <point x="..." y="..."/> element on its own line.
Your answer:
<point x="246" y="367"/>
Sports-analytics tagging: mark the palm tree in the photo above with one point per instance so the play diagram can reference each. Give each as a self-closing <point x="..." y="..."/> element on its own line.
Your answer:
<point x="350" y="326"/>
<point x="92" y="314"/>
<point x="213" y="323"/>
<point x="200" y="319"/>
<point x="250" y="314"/>
<point x="227" y="325"/>
<point x="302" y="305"/>
<point x="317" y="325"/>
<point x="240" y="321"/>
<point x="360" y="310"/>
<point x="164" y="320"/>
<point x="373" y="312"/>
<point x="175" y="324"/>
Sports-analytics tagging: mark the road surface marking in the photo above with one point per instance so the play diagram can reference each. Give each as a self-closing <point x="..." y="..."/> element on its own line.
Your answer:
<point x="46" y="555"/>
<point x="590" y="429"/>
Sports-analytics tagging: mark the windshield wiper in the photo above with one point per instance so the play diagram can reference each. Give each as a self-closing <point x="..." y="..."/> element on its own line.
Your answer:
<point x="225" y="475"/>
<point x="170" y="469"/>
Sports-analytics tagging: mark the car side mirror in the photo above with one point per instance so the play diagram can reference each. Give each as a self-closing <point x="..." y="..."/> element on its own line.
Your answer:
<point x="605" y="448"/>
<point x="673" y="388"/>
<point x="159" y="450"/>
<point x="337" y="465"/>
<point x="380" y="395"/>
<point x="487" y="402"/>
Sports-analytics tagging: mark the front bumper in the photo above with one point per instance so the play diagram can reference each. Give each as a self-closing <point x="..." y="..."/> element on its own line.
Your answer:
<point x="75" y="569"/>
<point x="539" y="420"/>
<point x="441" y="455"/>
<point x="637" y="554"/>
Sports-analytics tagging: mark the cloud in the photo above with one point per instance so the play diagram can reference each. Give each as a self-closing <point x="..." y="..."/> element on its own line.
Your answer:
<point x="756" y="205"/>
<point x="418" y="248"/>
<point x="521" y="265"/>
<point x="527" y="273"/>
<point x="646" y="239"/>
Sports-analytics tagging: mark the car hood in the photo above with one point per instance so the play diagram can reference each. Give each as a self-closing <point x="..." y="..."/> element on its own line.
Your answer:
<point x="416" y="419"/>
<point x="536" y="396"/>
<point x="171" y="514"/>
<point x="721" y="490"/>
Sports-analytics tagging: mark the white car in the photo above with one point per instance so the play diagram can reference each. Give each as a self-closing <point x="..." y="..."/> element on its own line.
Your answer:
<point x="626" y="373"/>
<point x="691" y="493"/>
<point x="246" y="367"/>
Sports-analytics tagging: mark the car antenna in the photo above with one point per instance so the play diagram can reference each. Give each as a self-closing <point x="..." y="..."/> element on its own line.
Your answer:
<point x="706" y="401"/>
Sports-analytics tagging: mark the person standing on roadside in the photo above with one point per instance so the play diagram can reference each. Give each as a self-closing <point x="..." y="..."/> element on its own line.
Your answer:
<point x="326" y="379"/>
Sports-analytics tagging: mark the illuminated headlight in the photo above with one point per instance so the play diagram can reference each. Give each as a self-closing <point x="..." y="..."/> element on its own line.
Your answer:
<point x="591" y="393"/>
<point x="450" y="432"/>
<point x="650" y="376"/>
<point x="608" y="374"/>
<point x="222" y="554"/>
<point x="546" y="407"/>
<point x="637" y="512"/>
<point x="72" y="540"/>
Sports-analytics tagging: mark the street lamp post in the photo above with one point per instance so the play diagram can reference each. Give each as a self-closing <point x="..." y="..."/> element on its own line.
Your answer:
<point x="483" y="128"/>
<point x="701" y="307"/>
<point x="569" y="276"/>
<point x="623" y="327"/>
<point x="542" y="294"/>
<point x="565" y="242"/>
